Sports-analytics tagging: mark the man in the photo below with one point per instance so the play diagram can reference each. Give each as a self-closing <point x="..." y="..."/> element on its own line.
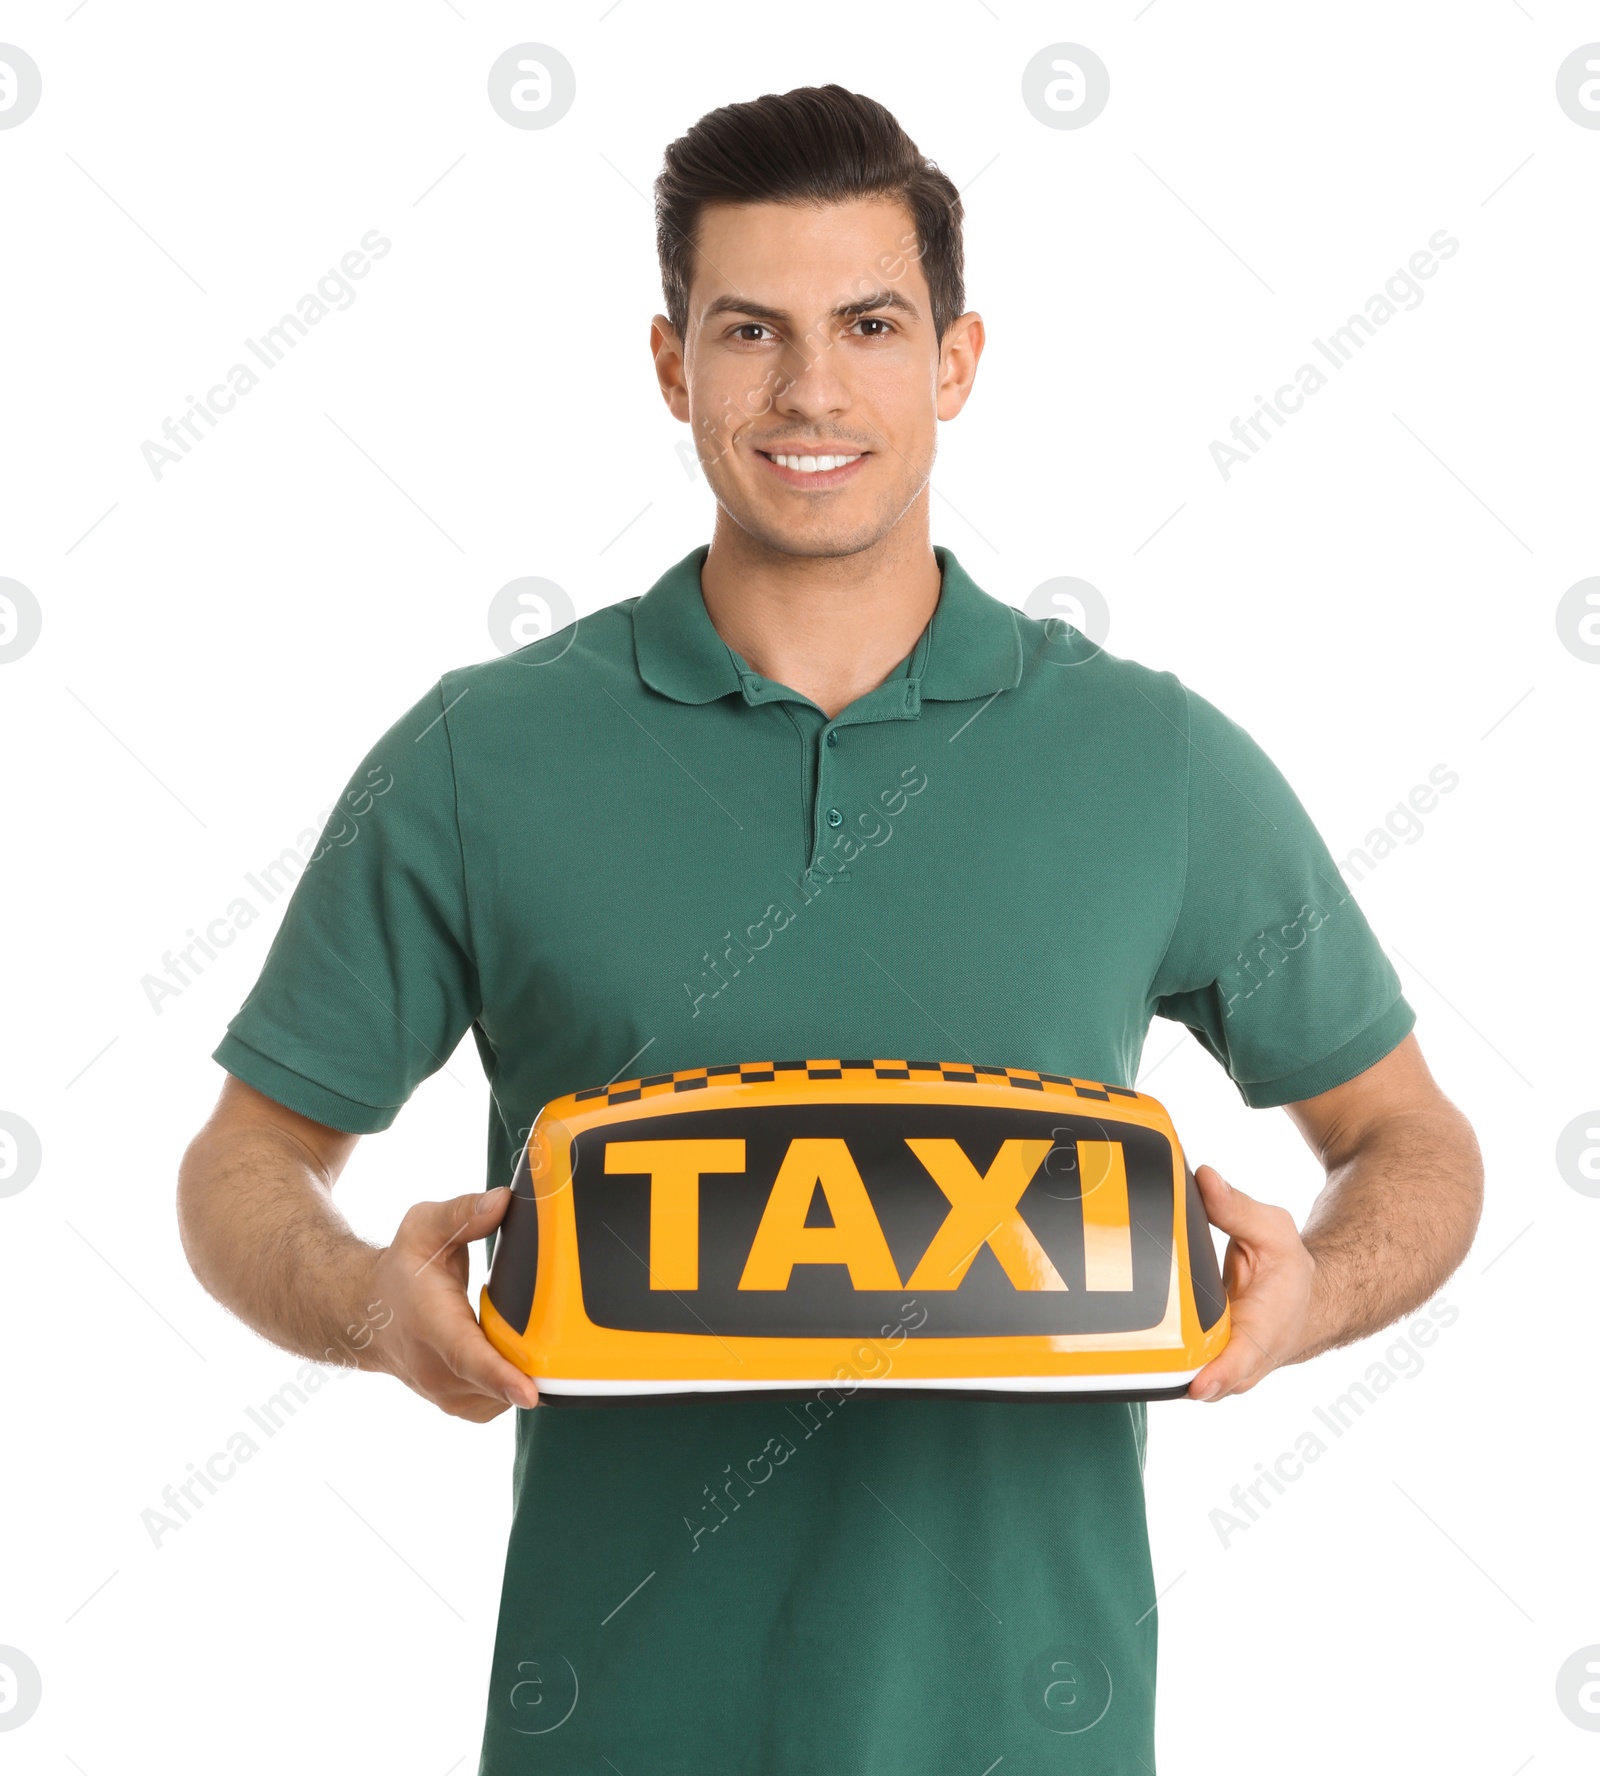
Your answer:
<point x="815" y="793"/>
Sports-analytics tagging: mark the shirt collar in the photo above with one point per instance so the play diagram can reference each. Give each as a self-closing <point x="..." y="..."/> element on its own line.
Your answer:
<point x="970" y="648"/>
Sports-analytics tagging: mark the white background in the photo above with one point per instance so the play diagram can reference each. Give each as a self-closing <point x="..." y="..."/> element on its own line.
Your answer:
<point x="1370" y="596"/>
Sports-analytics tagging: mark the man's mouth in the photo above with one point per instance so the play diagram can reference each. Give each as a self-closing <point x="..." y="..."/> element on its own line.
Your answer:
<point x="814" y="468"/>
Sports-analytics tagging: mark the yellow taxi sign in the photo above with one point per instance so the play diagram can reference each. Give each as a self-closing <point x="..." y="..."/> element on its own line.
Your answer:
<point x="744" y="1228"/>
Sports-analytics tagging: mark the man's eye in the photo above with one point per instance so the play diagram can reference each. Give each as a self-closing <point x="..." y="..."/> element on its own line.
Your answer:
<point x="747" y="329"/>
<point x="876" y="321"/>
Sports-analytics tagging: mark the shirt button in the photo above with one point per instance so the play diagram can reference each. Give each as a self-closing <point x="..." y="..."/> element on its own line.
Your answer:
<point x="833" y="736"/>
<point x="835" y="818"/>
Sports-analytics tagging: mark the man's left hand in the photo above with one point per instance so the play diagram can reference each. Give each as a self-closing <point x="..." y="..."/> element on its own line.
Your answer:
<point x="1270" y="1277"/>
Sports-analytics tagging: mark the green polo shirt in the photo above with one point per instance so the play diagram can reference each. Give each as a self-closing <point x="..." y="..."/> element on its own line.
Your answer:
<point x="621" y="852"/>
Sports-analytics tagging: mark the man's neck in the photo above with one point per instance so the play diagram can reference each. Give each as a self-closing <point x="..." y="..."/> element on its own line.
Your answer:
<point x="832" y="627"/>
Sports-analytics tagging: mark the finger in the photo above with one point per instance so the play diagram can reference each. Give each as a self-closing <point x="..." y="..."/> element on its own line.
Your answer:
<point x="455" y="1400"/>
<point x="1248" y="1357"/>
<point x="1238" y="1367"/>
<point x="476" y="1408"/>
<point x="434" y="1228"/>
<point x="470" y="1355"/>
<point x="1231" y="1210"/>
<point x="1208" y="1384"/>
<point x="1226" y="1374"/>
<point x="1236" y="1269"/>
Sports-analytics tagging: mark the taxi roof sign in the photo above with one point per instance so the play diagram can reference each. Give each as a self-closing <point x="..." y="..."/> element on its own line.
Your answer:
<point x="747" y="1228"/>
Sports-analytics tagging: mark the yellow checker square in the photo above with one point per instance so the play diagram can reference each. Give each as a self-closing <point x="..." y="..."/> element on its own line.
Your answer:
<point x="913" y="1227"/>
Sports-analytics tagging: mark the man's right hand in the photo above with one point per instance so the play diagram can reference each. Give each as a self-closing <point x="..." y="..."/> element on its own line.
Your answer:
<point x="259" y="1226"/>
<point x="422" y="1327"/>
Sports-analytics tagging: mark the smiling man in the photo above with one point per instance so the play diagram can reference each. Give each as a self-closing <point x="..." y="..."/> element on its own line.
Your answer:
<point x="815" y="793"/>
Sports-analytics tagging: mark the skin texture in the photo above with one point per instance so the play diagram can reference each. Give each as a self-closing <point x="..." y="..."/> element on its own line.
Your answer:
<point x="824" y="588"/>
<point x="1397" y="1215"/>
<point x="260" y="1229"/>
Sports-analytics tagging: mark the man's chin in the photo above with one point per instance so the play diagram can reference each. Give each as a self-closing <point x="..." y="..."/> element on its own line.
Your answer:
<point x="818" y="538"/>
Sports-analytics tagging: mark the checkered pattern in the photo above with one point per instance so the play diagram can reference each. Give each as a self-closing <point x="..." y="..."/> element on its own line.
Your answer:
<point x="926" y="1072"/>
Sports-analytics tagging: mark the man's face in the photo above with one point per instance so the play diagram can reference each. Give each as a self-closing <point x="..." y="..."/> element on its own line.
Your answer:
<point x="810" y="374"/>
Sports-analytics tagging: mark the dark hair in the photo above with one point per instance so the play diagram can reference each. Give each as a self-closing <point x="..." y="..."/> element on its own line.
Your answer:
<point x="814" y="145"/>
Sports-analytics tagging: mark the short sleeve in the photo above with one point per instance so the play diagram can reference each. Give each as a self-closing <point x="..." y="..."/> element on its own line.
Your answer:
<point x="1271" y="962"/>
<point x="370" y="983"/>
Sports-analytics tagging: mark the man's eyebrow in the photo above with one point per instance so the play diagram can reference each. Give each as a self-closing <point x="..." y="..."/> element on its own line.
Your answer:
<point x="878" y="299"/>
<point x="843" y="311"/>
<point x="758" y="311"/>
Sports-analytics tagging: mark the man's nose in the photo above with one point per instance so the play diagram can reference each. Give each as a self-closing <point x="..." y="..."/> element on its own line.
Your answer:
<point x="812" y="381"/>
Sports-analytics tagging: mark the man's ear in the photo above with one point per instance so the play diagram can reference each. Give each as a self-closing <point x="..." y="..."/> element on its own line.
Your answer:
<point x="666" y="348"/>
<point x="959" y="352"/>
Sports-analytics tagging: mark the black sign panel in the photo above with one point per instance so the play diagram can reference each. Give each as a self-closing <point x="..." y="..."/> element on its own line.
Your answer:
<point x="630" y="1286"/>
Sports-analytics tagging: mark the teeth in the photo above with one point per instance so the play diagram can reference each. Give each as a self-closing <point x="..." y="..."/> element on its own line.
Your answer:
<point x="811" y="465"/>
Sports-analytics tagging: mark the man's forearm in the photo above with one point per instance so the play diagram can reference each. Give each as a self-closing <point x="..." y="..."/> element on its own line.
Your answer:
<point x="255" y="1207"/>
<point x="1396" y="1217"/>
<point x="261" y="1231"/>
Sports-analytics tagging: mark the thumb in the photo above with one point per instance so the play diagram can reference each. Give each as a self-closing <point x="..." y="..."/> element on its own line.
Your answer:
<point x="1231" y="1210"/>
<point x="440" y="1226"/>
